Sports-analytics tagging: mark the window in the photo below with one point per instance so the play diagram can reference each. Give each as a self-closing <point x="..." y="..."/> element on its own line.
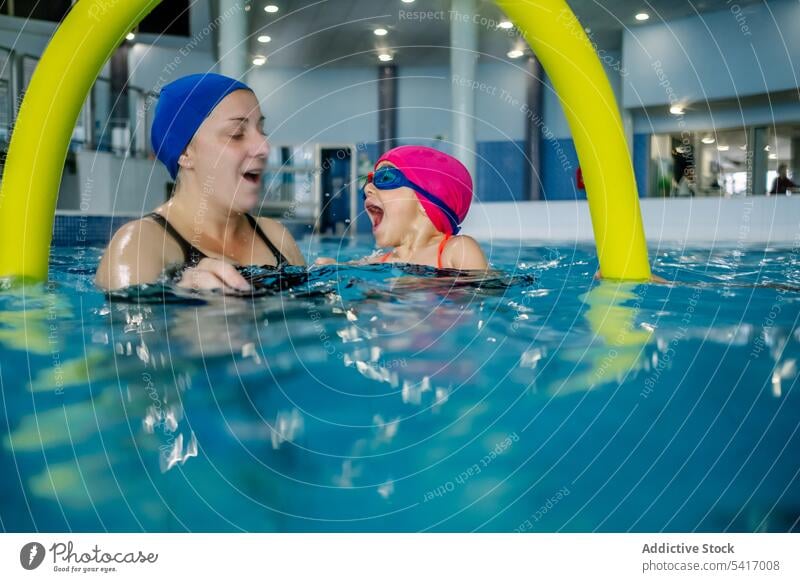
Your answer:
<point x="168" y="18"/>
<point x="731" y="162"/>
<point x="52" y="10"/>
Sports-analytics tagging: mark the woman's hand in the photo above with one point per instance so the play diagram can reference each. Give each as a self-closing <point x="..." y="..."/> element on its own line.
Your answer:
<point x="213" y="274"/>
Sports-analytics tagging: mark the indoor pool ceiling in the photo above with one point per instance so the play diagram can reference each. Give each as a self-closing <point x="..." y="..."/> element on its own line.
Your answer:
<point x="307" y="33"/>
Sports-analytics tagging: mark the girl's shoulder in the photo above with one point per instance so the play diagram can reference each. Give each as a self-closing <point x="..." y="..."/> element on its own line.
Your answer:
<point x="463" y="252"/>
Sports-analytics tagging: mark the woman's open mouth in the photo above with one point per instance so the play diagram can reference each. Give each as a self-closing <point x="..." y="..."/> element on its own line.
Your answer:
<point x="253" y="176"/>
<point x="375" y="213"/>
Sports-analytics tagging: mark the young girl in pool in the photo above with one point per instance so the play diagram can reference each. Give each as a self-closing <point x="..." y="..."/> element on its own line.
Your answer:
<point x="416" y="199"/>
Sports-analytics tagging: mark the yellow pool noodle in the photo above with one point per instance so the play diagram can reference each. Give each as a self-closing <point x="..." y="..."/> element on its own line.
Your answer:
<point x="83" y="43"/>
<point x="559" y="42"/>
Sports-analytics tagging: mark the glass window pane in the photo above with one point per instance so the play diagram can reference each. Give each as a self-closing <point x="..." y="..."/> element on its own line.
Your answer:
<point x="52" y="10"/>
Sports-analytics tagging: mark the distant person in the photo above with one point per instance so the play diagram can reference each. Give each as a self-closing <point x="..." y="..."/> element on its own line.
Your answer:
<point x="782" y="183"/>
<point x="686" y="186"/>
<point x="208" y="132"/>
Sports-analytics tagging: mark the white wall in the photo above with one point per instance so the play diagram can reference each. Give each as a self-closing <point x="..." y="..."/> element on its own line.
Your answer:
<point x="725" y="54"/>
<point x="425" y="97"/>
<point x="110" y="184"/>
<point x="340" y="105"/>
<point x="318" y="105"/>
<point x="753" y="220"/>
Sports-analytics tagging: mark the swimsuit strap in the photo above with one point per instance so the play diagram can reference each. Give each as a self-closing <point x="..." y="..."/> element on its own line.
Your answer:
<point x="192" y="255"/>
<point x="280" y="260"/>
<point x="442" y="244"/>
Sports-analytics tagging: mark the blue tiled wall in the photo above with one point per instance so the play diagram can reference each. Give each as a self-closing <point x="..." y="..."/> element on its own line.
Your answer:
<point x="560" y="165"/>
<point x="559" y="170"/>
<point x="79" y="230"/>
<point x="501" y="171"/>
<point x="96" y="231"/>
<point x="641" y="161"/>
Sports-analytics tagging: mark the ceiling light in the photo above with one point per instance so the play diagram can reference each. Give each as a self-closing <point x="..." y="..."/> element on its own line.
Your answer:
<point x="271" y="8"/>
<point x="677" y="110"/>
<point x="264" y="39"/>
<point x="642" y="16"/>
<point x="380" y="32"/>
<point x="130" y="36"/>
<point x="385" y="57"/>
<point x="407" y="1"/>
<point x="708" y="140"/>
<point x="773" y="156"/>
<point x="743" y="147"/>
<point x="515" y="54"/>
<point x="723" y="148"/>
<point x="767" y="148"/>
<point x="506" y="25"/>
<point x="259" y="60"/>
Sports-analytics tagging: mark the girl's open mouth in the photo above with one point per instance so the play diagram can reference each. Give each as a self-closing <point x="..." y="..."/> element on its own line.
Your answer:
<point x="375" y="213"/>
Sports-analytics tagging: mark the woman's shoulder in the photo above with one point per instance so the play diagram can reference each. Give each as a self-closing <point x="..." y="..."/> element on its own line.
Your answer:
<point x="137" y="253"/>
<point x="282" y="238"/>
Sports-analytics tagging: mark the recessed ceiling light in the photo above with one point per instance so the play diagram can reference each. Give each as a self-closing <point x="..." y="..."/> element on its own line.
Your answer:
<point x="259" y="60"/>
<point x="743" y="147"/>
<point x="380" y="32"/>
<point x="708" y="140"/>
<point x="723" y="148"/>
<point x="767" y="148"/>
<point x="385" y="57"/>
<point x="642" y="16"/>
<point x="407" y="1"/>
<point x="506" y="25"/>
<point x="677" y="110"/>
<point x="130" y="36"/>
<point x="773" y="156"/>
<point x="264" y="39"/>
<point x="515" y="54"/>
<point x="271" y="8"/>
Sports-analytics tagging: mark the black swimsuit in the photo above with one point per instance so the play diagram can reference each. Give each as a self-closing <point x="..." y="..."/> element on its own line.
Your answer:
<point x="192" y="255"/>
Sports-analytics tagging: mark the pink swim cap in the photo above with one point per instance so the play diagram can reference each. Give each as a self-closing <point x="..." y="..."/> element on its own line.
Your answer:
<point x="441" y="175"/>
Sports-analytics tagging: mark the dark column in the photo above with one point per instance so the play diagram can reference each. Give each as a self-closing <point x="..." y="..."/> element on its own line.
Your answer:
<point x="387" y="107"/>
<point x="534" y="113"/>
<point x="120" y="109"/>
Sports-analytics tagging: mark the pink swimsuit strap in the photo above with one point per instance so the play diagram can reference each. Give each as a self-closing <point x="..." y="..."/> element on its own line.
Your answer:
<point x="385" y="258"/>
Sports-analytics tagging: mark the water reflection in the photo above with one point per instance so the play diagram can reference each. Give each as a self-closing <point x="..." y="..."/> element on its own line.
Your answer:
<point x="362" y="399"/>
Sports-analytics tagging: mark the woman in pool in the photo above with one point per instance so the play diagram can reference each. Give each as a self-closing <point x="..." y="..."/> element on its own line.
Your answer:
<point x="208" y="132"/>
<point x="416" y="199"/>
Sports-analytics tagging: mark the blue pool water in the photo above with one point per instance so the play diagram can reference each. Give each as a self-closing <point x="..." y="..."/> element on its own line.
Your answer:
<point x="382" y="399"/>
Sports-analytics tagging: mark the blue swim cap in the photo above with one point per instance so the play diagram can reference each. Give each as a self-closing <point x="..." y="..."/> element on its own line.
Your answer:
<point x="182" y="107"/>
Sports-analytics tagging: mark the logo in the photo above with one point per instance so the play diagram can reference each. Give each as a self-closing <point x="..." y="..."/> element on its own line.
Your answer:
<point x="31" y="555"/>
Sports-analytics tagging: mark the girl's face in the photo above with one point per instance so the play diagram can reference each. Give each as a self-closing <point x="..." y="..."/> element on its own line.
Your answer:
<point x="229" y="152"/>
<point x="392" y="212"/>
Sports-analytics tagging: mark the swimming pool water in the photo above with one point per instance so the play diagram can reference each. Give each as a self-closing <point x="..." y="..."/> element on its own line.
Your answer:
<point x="384" y="399"/>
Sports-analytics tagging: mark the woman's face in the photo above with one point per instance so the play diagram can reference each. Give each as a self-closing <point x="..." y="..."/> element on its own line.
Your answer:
<point x="392" y="212"/>
<point x="229" y="152"/>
